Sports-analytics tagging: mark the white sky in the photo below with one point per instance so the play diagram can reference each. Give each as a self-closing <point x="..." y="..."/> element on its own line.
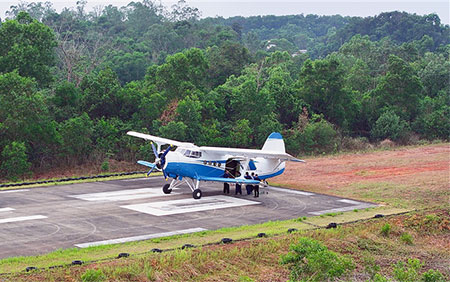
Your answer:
<point x="212" y="8"/>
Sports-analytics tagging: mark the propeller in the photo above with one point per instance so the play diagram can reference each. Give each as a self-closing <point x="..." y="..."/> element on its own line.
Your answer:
<point x="160" y="160"/>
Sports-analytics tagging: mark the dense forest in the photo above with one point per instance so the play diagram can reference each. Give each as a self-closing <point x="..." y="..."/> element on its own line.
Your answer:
<point x="72" y="83"/>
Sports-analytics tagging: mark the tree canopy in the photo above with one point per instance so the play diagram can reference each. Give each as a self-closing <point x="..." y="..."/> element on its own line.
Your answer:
<point x="72" y="83"/>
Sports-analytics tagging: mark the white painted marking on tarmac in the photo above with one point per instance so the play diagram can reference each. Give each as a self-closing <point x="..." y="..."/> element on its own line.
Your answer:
<point x="6" y="209"/>
<point x="139" y="238"/>
<point x="14" y="191"/>
<point x="189" y="205"/>
<point x="344" y="209"/>
<point x="22" y="218"/>
<point x="122" y="195"/>
<point x="349" y="202"/>
<point x="291" y="191"/>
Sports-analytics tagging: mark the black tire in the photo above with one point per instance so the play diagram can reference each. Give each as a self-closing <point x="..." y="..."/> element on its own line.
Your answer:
<point x="197" y="194"/>
<point x="166" y="189"/>
<point x="123" y="255"/>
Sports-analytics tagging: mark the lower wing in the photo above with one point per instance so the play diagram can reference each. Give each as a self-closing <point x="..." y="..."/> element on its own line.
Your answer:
<point x="229" y="180"/>
<point x="146" y="164"/>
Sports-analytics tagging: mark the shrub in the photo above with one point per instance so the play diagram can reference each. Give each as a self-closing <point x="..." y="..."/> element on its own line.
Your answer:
<point x="355" y="144"/>
<point x="14" y="160"/>
<point x="379" y="278"/>
<point x="105" y="166"/>
<point x="406" y="238"/>
<point x="390" y="126"/>
<point x="386" y="229"/>
<point x="245" y="279"/>
<point x="433" y="276"/>
<point x="310" y="259"/>
<point x="92" y="275"/>
<point x="407" y="272"/>
<point x="317" y="137"/>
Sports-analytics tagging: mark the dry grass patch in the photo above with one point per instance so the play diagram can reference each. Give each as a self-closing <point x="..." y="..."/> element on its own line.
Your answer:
<point x="258" y="260"/>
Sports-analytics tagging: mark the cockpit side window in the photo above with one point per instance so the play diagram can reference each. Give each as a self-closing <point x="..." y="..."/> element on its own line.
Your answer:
<point x="196" y="154"/>
<point x="193" y="154"/>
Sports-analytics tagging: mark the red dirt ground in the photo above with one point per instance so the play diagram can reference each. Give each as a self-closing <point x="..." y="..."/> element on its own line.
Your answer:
<point x="427" y="167"/>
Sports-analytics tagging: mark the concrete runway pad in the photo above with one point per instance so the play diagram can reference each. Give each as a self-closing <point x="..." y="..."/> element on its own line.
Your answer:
<point x="39" y="220"/>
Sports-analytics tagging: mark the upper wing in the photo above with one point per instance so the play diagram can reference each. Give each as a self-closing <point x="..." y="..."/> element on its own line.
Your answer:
<point x="160" y="140"/>
<point x="228" y="180"/>
<point x="251" y="153"/>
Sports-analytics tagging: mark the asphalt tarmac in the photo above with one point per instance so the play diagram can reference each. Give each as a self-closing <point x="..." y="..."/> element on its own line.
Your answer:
<point x="40" y="220"/>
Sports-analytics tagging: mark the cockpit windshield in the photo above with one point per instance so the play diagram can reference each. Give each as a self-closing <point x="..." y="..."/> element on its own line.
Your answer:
<point x="191" y="154"/>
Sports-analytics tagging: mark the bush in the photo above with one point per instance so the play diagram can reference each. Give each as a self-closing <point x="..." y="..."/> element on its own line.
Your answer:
<point x="312" y="260"/>
<point x="14" y="160"/>
<point x="355" y="144"/>
<point x="407" y="272"/>
<point x="386" y="229"/>
<point x="406" y="238"/>
<point x="92" y="275"/>
<point x="433" y="276"/>
<point x="317" y="137"/>
<point x="389" y="125"/>
<point x="410" y="272"/>
<point x="105" y="166"/>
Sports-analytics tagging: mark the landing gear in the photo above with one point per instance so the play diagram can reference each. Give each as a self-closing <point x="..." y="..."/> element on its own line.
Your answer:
<point x="177" y="181"/>
<point x="167" y="189"/>
<point x="197" y="194"/>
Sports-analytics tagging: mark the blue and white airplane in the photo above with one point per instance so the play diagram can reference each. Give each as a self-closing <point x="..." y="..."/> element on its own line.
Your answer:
<point x="191" y="164"/>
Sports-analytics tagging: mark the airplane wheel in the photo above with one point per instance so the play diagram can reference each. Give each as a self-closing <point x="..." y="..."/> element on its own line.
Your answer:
<point x="197" y="194"/>
<point x="166" y="189"/>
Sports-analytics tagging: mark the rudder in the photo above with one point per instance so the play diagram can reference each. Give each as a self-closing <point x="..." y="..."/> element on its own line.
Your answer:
<point x="274" y="143"/>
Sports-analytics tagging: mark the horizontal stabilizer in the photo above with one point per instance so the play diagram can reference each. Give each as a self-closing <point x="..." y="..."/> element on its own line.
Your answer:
<point x="151" y="165"/>
<point x="229" y="180"/>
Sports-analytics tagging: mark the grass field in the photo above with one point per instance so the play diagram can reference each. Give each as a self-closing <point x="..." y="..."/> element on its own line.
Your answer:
<point x="408" y="178"/>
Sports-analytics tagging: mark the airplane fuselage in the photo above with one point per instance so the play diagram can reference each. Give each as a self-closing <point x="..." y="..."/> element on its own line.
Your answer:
<point x="186" y="163"/>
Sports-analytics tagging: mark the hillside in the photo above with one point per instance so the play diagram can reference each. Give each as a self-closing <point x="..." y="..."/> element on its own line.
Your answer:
<point x="78" y="81"/>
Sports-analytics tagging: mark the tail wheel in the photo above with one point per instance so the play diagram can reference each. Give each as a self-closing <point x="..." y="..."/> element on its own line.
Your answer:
<point x="166" y="189"/>
<point x="197" y="194"/>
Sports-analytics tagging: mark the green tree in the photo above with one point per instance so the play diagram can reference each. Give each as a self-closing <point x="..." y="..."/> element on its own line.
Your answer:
<point x="106" y="135"/>
<point x="435" y="74"/>
<point x="321" y="85"/>
<point x="77" y="138"/>
<point x="14" y="160"/>
<point x="400" y="89"/>
<point x="230" y="58"/>
<point x="240" y="135"/>
<point x="65" y="102"/>
<point x="189" y="112"/>
<point x="24" y="117"/>
<point x="182" y="72"/>
<point x="101" y="96"/>
<point x="27" y="46"/>
<point x="174" y="130"/>
<point x="280" y="85"/>
<point x="129" y="66"/>
<point x="433" y="120"/>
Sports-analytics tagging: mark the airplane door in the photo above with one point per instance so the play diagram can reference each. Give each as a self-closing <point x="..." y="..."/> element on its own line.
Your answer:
<point x="233" y="166"/>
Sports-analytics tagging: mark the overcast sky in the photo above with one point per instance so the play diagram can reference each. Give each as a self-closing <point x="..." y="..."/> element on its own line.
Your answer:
<point x="212" y="8"/>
